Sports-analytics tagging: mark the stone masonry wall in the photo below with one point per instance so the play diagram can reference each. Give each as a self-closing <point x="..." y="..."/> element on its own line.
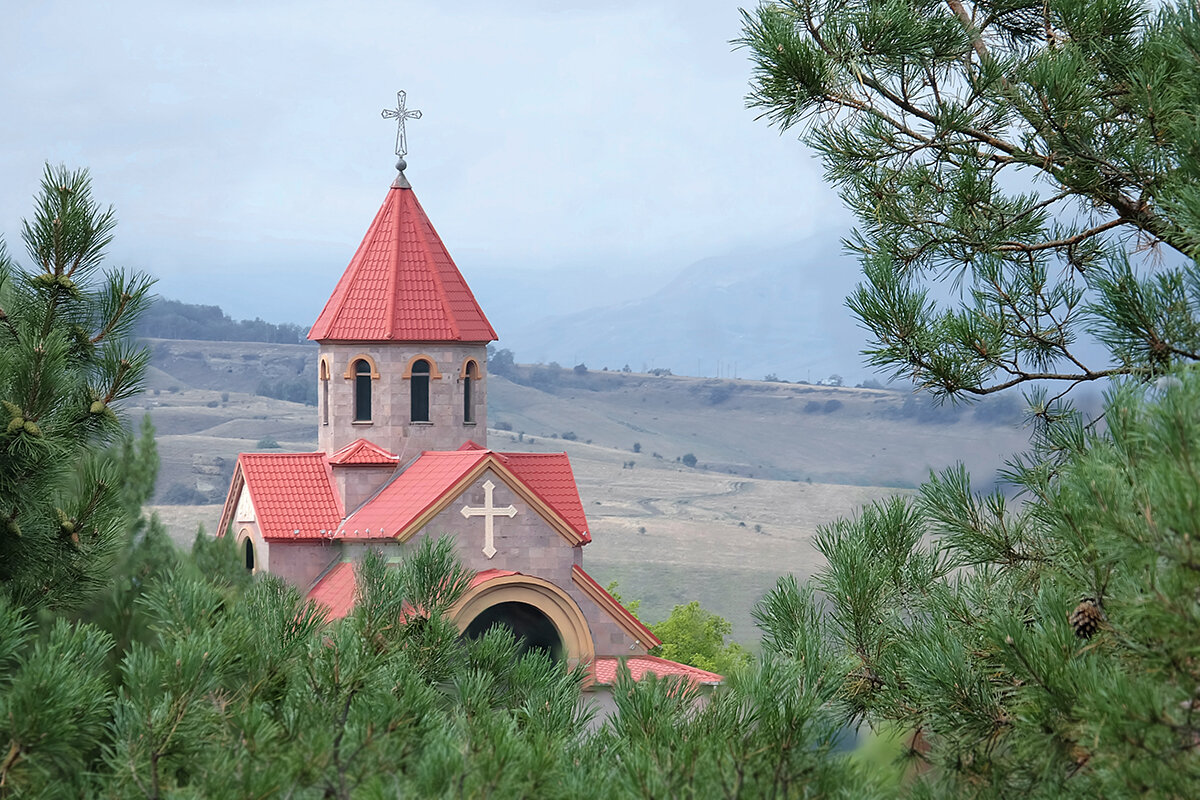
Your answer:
<point x="390" y="426"/>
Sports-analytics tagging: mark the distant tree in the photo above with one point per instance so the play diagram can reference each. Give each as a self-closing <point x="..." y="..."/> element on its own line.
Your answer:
<point x="500" y="361"/>
<point x="580" y="369"/>
<point x="67" y="361"/>
<point x="692" y="635"/>
<point x="689" y="459"/>
<point x="637" y="447"/>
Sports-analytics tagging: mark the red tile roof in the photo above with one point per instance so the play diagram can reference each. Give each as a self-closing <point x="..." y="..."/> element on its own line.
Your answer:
<point x="410" y="494"/>
<point x="402" y="285"/>
<point x="550" y="477"/>
<point x="432" y="477"/>
<point x="293" y="494"/>
<point x="604" y="670"/>
<point x="336" y="591"/>
<point x="490" y="574"/>
<point x="360" y="452"/>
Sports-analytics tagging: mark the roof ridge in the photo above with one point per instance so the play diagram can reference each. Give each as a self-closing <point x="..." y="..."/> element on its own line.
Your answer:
<point x="392" y="288"/>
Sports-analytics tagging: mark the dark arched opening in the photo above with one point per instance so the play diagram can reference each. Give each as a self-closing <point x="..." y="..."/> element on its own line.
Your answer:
<point x="362" y="390"/>
<point x="532" y="629"/>
<point x="249" y="547"/>
<point x="419" y="380"/>
<point x="469" y="376"/>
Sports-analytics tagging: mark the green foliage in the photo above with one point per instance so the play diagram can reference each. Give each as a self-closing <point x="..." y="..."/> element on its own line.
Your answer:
<point x="1026" y="154"/>
<point x="67" y="360"/>
<point x="691" y="635"/>
<point x="952" y="614"/>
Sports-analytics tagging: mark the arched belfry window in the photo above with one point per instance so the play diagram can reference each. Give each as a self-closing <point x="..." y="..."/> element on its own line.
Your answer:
<point x="362" y="390"/>
<point x="470" y="376"/>
<point x="419" y="388"/>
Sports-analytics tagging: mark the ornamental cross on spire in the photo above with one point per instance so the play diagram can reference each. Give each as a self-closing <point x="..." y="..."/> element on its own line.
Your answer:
<point x="400" y="113"/>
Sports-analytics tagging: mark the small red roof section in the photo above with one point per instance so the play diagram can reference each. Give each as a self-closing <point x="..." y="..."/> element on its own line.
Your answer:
<point x="604" y="670"/>
<point x="402" y="285"/>
<point x="362" y="453"/>
<point x="293" y="494"/>
<point x="490" y="574"/>
<point x="336" y="590"/>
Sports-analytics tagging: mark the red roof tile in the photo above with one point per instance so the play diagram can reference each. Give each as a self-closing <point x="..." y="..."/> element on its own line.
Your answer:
<point x="293" y="494"/>
<point x="430" y="478"/>
<point x="336" y="591"/>
<point x="550" y="477"/>
<point x="414" y="491"/>
<point x="490" y="574"/>
<point x="402" y="285"/>
<point x="604" y="670"/>
<point x="360" y="452"/>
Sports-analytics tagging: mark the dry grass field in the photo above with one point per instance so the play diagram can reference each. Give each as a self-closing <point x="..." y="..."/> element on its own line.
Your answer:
<point x="775" y="462"/>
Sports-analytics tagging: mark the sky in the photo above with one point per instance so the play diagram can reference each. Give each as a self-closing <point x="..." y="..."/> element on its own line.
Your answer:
<point x="242" y="146"/>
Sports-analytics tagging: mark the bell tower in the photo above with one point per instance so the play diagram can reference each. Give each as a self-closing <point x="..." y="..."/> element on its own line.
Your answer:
<point x="403" y="343"/>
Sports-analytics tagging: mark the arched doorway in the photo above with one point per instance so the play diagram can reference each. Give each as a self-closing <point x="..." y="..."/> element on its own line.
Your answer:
<point x="532" y="629"/>
<point x="531" y="608"/>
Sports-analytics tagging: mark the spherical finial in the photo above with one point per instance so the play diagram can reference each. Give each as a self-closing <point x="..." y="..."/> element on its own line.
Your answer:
<point x="401" y="165"/>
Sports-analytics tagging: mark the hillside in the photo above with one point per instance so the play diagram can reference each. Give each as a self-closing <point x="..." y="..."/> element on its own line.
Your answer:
<point x="774" y="460"/>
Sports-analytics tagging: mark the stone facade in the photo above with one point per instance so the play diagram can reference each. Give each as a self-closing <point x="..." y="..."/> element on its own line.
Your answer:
<point x="390" y="426"/>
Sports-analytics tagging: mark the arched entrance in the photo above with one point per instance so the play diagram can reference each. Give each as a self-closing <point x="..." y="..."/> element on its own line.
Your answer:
<point x="536" y="610"/>
<point x="532" y="629"/>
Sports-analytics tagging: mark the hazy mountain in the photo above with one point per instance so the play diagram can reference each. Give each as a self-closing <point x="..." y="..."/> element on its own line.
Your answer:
<point x="749" y="313"/>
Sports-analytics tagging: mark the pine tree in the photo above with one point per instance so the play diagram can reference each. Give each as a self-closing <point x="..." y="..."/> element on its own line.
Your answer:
<point x="67" y="361"/>
<point x="1037" y="157"/>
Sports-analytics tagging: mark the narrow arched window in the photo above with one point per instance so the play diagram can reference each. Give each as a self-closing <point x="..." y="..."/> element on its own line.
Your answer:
<point x="362" y="391"/>
<point x="249" y="547"/>
<point x="419" y="387"/>
<point x="324" y="392"/>
<point x="469" y="377"/>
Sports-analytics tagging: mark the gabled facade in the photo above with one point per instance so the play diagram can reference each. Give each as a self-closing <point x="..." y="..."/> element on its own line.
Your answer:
<point x="402" y="433"/>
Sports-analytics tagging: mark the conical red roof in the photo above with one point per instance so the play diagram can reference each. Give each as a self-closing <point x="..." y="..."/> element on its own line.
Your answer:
<point x="402" y="285"/>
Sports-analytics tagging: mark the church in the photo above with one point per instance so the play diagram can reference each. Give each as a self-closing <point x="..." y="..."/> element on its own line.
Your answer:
<point x="403" y="454"/>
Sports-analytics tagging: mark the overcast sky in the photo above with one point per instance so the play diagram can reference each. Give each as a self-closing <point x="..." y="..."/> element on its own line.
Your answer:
<point x="242" y="144"/>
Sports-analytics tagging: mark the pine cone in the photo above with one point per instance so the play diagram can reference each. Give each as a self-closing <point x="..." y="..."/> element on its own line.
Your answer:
<point x="1086" y="618"/>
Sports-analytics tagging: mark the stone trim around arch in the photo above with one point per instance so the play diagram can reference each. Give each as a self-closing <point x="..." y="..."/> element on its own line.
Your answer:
<point x="434" y="373"/>
<point x="552" y="601"/>
<point x="350" y="374"/>
<point x="324" y="370"/>
<point x="244" y="536"/>
<point x="467" y="362"/>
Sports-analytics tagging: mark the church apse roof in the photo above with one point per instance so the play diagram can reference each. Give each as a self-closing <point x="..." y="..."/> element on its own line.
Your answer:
<point x="402" y="285"/>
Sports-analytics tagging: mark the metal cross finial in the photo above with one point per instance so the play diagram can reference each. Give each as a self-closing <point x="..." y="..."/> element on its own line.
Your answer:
<point x="400" y="114"/>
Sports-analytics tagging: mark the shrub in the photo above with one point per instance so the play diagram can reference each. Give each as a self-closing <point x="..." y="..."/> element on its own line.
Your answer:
<point x="689" y="460"/>
<point x="831" y="406"/>
<point x="637" y="447"/>
<point x="504" y="426"/>
<point x="570" y="436"/>
<point x="266" y="443"/>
